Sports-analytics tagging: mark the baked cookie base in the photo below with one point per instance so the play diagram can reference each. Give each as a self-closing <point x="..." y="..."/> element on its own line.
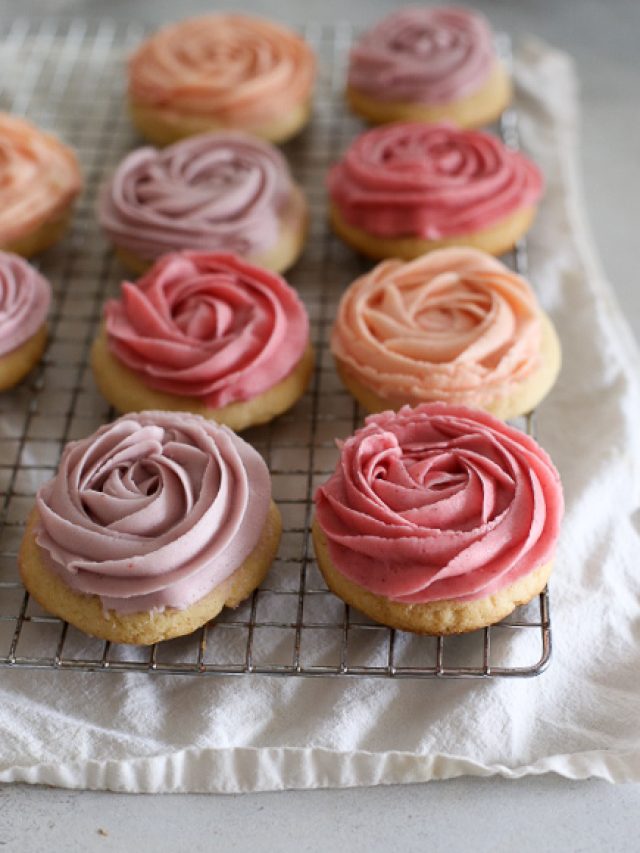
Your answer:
<point x="41" y="238"/>
<point x="127" y="392"/>
<point x="281" y="257"/>
<point x="482" y="107"/>
<point x="87" y="613"/>
<point x="15" y="365"/>
<point x="519" y="400"/>
<point x="434" y="617"/>
<point x="164" y="126"/>
<point x="497" y="239"/>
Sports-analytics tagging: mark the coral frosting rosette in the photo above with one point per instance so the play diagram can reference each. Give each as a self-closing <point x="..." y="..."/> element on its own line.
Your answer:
<point x="435" y="506"/>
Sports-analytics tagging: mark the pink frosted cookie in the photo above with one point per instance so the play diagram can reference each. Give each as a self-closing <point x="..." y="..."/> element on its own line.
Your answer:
<point x="206" y="333"/>
<point x="405" y="189"/>
<point x="427" y="63"/>
<point x="438" y="519"/>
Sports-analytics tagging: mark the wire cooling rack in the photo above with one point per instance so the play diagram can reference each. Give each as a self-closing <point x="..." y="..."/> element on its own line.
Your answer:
<point x="68" y="77"/>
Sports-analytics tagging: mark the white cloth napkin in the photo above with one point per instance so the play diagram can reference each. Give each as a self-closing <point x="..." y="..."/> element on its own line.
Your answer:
<point x="581" y="718"/>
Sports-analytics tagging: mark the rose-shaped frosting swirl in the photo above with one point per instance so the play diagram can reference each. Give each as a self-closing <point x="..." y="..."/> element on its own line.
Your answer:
<point x="455" y="325"/>
<point x="423" y="55"/>
<point x="213" y="192"/>
<point x="153" y="510"/>
<point x="430" y="181"/>
<point x="209" y="326"/>
<point x="25" y="297"/>
<point x="439" y="502"/>
<point x="237" y="68"/>
<point x="39" y="177"/>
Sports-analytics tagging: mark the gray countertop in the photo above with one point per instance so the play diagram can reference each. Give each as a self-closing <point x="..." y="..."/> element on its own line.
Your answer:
<point x="540" y="814"/>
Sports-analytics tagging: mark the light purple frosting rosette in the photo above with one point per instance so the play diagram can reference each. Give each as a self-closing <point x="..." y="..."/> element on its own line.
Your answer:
<point x="213" y="192"/>
<point x="422" y="54"/>
<point x="25" y="297"/>
<point x="153" y="510"/>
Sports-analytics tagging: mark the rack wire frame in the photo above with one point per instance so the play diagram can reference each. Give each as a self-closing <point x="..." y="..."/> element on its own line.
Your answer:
<point x="71" y="81"/>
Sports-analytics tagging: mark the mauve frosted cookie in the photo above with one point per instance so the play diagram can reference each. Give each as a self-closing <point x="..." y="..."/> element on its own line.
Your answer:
<point x="150" y="527"/>
<point x="25" y="297"/>
<point x="39" y="182"/>
<point x="214" y="192"/>
<point x="428" y="63"/>
<point x="439" y="519"/>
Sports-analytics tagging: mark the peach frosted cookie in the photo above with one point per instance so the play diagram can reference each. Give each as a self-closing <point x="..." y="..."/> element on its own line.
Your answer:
<point x="39" y="181"/>
<point x="455" y="325"/>
<point x="218" y="72"/>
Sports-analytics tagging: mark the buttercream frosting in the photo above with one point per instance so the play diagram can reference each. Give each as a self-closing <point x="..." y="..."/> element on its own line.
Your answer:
<point x="222" y="191"/>
<point x="208" y="325"/>
<point x="430" y="181"/>
<point x="152" y="511"/>
<point x="39" y="177"/>
<point x="421" y="54"/>
<point x="454" y="325"/>
<point x="439" y="502"/>
<point x="25" y="296"/>
<point x="239" y="69"/>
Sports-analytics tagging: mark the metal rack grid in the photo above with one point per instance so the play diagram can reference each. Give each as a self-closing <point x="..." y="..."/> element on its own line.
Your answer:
<point x="71" y="81"/>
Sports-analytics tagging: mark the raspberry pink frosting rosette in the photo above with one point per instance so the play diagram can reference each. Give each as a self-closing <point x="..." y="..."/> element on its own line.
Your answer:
<point x="239" y="70"/>
<point x="431" y="182"/>
<point x="423" y="55"/>
<point x="439" y="503"/>
<point x="39" y="179"/>
<point x="455" y="325"/>
<point x="208" y="326"/>
<point x="223" y="191"/>
<point x="152" y="511"/>
<point x="25" y="296"/>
